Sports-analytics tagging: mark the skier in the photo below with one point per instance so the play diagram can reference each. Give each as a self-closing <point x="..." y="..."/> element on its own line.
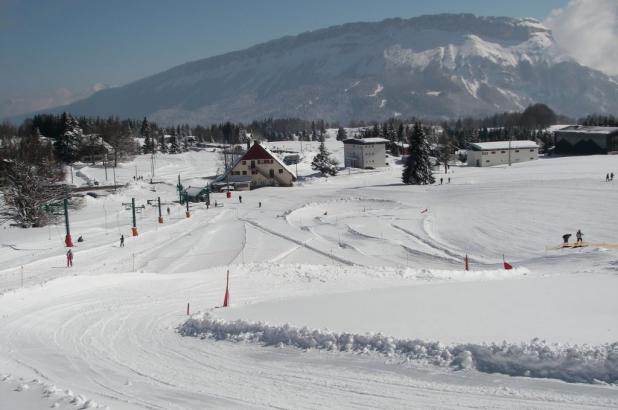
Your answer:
<point x="579" y="236"/>
<point x="611" y="176"/>
<point x="607" y="178"/>
<point x="441" y="180"/>
<point x="122" y="240"/>
<point x="80" y="239"/>
<point x="259" y="204"/>
<point x="168" y="210"/>
<point x="240" y="198"/>
<point x="449" y="180"/>
<point x="566" y="237"/>
<point x="69" y="258"/>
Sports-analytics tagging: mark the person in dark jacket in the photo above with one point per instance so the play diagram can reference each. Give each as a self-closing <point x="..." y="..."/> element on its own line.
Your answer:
<point x="579" y="235"/>
<point x="566" y="237"/>
<point x="122" y="241"/>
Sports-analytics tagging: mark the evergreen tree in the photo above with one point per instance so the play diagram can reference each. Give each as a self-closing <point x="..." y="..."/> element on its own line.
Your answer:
<point x="174" y="147"/>
<point x="67" y="145"/>
<point x="417" y="169"/>
<point x="314" y="132"/>
<point x="323" y="162"/>
<point x="146" y="133"/>
<point x="162" y="144"/>
<point x="341" y="134"/>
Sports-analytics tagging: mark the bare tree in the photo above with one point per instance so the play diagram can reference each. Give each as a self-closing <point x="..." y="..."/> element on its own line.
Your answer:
<point x="27" y="193"/>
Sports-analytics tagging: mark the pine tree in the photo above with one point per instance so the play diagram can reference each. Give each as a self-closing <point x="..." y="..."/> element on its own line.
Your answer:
<point x="323" y="162"/>
<point x="417" y="169"/>
<point x="174" y="147"/>
<point x="145" y="131"/>
<point x="67" y="145"/>
<point x="341" y="134"/>
<point x="162" y="144"/>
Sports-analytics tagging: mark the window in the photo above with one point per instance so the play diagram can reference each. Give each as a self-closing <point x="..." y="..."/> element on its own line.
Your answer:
<point x="493" y="152"/>
<point x="280" y="171"/>
<point x="503" y="152"/>
<point x="244" y="162"/>
<point x="259" y="161"/>
<point x="532" y="150"/>
<point x="485" y="153"/>
<point x="244" y="172"/>
<point x="532" y="158"/>
<point x="486" y="160"/>
<point x="254" y="172"/>
<point x="516" y="150"/>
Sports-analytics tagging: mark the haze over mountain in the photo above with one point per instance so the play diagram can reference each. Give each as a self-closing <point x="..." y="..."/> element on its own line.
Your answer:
<point x="439" y="66"/>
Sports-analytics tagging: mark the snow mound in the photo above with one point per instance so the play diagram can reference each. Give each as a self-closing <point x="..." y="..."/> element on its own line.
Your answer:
<point x="571" y="363"/>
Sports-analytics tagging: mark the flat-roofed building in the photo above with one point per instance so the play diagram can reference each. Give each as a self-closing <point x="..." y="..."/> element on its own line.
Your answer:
<point x="487" y="154"/>
<point x="586" y="140"/>
<point x="365" y="152"/>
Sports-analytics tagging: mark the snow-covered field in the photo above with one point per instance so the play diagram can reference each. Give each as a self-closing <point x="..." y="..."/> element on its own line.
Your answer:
<point x="357" y="254"/>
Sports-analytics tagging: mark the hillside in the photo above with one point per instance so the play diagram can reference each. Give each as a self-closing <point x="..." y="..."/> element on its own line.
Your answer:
<point x="432" y="66"/>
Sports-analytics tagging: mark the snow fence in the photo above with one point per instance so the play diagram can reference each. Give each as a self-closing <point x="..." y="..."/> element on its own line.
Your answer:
<point x="583" y="364"/>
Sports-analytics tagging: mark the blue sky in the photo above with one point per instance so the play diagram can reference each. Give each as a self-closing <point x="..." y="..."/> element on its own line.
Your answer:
<point x="61" y="48"/>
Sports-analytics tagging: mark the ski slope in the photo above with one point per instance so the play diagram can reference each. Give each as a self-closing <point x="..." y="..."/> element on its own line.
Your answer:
<point x="353" y="253"/>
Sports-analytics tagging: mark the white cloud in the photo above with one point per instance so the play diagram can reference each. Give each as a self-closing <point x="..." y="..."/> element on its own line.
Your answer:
<point x="588" y="30"/>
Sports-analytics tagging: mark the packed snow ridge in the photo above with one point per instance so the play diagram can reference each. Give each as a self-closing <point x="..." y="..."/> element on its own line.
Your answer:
<point x="578" y="364"/>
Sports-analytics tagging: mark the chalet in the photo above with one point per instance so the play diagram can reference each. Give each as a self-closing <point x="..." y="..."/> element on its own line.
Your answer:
<point x="365" y="152"/>
<point x="487" y="154"/>
<point x="586" y="140"/>
<point x="259" y="167"/>
<point x="93" y="148"/>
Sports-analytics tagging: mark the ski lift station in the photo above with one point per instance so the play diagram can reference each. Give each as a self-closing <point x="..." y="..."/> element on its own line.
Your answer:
<point x="365" y="152"/>
<point x="487" y="154"/>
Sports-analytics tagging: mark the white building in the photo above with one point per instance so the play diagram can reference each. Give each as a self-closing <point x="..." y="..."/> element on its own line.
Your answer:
<point x="487" y="154"/>
<point x="365" y="152"/>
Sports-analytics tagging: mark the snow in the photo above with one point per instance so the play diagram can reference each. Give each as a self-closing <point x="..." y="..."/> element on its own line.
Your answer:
<point x="539" y="47"/>
<point x="383" y="103"/>
<point x="352" y="86"/>
<point x="472" y="86"/>
<point x="378" y="90"/>
<point x="436" y="313"/>
<point x="433" y="93"/>
<point x="353" y="253"/>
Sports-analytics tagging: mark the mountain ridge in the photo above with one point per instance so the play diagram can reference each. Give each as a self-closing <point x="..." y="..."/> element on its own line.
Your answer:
<point x="438" y="66"/>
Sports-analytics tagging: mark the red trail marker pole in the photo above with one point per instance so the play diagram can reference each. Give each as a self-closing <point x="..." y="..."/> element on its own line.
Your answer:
<point x="226" y="298"/>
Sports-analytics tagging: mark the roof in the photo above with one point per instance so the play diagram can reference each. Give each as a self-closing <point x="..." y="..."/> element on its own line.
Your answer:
<point x="366" y="141"/>
<point x="589" y="129"/>
<point x="194" y="190"/>
<point x="484" y="146"/>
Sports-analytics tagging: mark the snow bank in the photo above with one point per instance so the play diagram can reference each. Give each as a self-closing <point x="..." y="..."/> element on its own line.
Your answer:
<point x="584" y="364"/>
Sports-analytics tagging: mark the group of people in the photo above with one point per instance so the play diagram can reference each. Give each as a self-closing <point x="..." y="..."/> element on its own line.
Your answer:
<point x="609" y="177"/>
<point x="442" y="180"/>
<point x="579" y="235"/>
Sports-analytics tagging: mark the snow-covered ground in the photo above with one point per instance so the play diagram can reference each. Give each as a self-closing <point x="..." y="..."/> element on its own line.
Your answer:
<point x="356" y="253"/>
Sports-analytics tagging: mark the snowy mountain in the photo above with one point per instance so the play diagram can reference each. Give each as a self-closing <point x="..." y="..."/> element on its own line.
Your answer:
<point x="432" y="66"/>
